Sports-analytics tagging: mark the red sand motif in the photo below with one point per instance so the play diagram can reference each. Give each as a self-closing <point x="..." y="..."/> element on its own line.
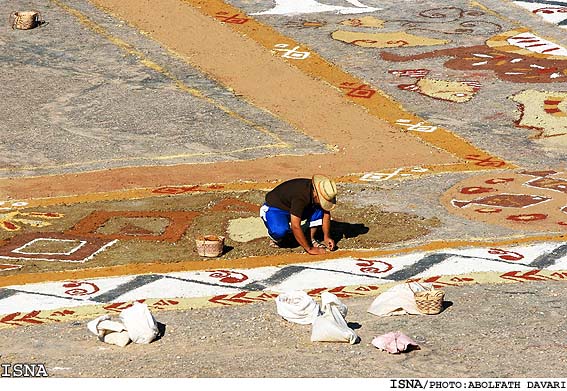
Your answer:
<point x="25" y="247"/>
<point x="373" y="266"/>
<point x="179" y="221"/>
<point x="76" y="289"/>
<point x="506" y="255"/>
<point x="356" y="90"/>
<point x="510" y="63"/>
<point x="225" y="17"/>
<point x="228" y="276"/>
<point x="5" y="267"/>
<point x="527" y="199"/>
<point x="233" y="204"/>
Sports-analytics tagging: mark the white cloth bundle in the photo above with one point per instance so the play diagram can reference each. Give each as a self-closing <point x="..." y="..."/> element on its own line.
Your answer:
<point x="109" y="331"/>
<point x="136" y="324"/>
<point x="398" y="300"/>
<point x="140" y="323"/>
<point x="331" y="325"/>
<point x="297" y="307"/>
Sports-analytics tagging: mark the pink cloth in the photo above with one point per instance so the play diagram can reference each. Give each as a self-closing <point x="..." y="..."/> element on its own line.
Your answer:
<point x="394" y="342"/>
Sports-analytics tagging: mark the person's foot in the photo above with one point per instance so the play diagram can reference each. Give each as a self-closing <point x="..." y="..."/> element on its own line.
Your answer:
<point x="318" y="244"/>
<point x="274" y="244"/>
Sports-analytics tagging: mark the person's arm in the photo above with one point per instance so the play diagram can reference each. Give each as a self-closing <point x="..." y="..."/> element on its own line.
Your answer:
<point x="300" y="237"/>
<point x="329" y="242"/>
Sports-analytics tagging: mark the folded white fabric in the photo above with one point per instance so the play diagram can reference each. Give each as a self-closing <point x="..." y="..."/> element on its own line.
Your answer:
<point x="93" y="324"/>
<point x="140" y="323"/>
<point x="136" y="324"/>
<point x="297" y="307"/>
<point x="331" y="325"/>
<point x="109" y="331"/>
<point x="120" y="338"/>
<point x="398" y="300"/>
<point x="394" y="343"/>
<point x="329" y="298"/>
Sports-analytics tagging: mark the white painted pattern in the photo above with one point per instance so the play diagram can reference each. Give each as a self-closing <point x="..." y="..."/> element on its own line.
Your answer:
<point x="382" y="176"/>
<point x="528" y="253"/>
<point x="310" y="279"/>
<point x="255" y="274"/>
<point x="91" y="256"/>
<point x="20" y="250"/>
<point x="297" y="7"/>
<point x="418" y="127"/>
<point x="26" y="302"/>
<point x="459" y="265"/>
<point x="550" y="13"/>
<point x="351" y="265"/>
<point x="536" y="44"/>
<point x="170" y="288"/>
<point x="104" y="285"/>
<point x="293" y="53"/>
<point x="305" y="276"/>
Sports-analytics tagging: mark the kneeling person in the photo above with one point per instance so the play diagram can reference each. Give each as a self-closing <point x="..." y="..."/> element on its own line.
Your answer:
<point x="301" y="199"/>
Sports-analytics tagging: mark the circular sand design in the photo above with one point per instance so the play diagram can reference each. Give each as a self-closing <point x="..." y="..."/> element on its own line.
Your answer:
<point x="530" y="200"/>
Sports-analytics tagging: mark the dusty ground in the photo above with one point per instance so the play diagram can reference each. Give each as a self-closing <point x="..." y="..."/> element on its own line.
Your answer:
<point x="68" y="87"/>
<point x="479" y="334"/>
<point x="354" y="140"/>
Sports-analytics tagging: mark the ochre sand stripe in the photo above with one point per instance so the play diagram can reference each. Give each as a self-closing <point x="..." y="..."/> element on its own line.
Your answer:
<point x="379" y="105"/>
<point x="139" y="193"/>
<point x="71" y="314"/>
<point x="361" y="141"/>
<point x="121" y="195"/>
<point x="255" y="262"/>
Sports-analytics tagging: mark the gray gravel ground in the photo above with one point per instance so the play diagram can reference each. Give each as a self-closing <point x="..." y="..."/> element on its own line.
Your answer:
<point x="491" y="331"/>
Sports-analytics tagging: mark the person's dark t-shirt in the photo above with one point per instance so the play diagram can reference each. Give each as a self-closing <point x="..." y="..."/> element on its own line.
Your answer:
<point x="294" y="196"/>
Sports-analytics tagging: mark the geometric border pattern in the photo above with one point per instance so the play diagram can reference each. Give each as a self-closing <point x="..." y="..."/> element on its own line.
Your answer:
<point x="356" y="276"/>
<point x="4" y="267"/>
<point x="87" y="249"/>
<point x="37" y="317"/>
<point x="20" y="250"/>
<point x="179" y="221"/>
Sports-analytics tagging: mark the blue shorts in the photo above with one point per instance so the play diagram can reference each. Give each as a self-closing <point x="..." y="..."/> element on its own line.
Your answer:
<point x="277" y="220"/>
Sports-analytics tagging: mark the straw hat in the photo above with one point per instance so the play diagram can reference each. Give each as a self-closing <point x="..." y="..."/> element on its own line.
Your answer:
<point x="326" y="191"/>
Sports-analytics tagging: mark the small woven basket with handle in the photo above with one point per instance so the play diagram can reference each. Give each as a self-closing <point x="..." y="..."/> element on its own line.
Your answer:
<point x="25" y="20"/>
<point x="428" y="301"/>
<point x="210" y="245"/>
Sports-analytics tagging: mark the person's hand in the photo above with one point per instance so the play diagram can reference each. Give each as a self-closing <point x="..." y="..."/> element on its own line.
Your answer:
<point x="330" y="243"/>
<point x="316" y="250"/>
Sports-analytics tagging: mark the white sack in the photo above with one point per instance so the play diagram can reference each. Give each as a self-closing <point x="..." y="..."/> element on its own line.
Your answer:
<point x="140" y="323"/>
<point x="328" y="298"/>
<point x="93" y="324"/>
<point x="110" y="326"/>
<point x="398" y="300"/>
<point x="103" y="325"/>
<point x="120" y="338"/>
<point x="297" y="307"/>
<point x="331" y="325"/>
<point x="109" y="331"/>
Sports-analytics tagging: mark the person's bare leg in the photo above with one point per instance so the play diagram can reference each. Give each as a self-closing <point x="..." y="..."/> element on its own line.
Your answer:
<point x="313" y="231"/>
<point x="315" y="242"/>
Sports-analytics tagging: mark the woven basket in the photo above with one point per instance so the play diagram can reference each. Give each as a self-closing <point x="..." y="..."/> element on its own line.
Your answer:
<point x="25" y="20"/>
<point x="210" y="245"/>
<point x="429" y="301"/>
